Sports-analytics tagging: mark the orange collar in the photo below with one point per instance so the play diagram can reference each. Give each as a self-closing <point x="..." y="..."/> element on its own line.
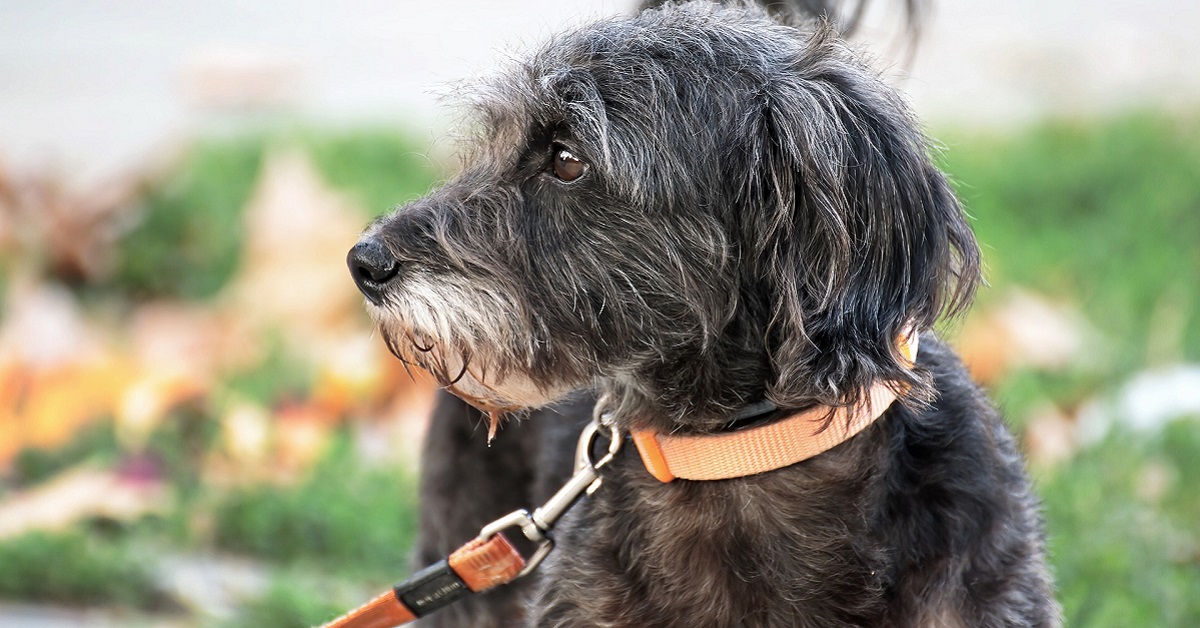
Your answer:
<point x="768" y="447"/>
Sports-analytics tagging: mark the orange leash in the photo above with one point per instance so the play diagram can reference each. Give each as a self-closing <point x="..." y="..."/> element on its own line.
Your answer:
<point x="490" y="560"/>
<point x="472" y="568"/>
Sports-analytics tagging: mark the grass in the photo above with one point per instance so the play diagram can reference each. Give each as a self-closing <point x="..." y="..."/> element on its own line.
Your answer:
<point x="76" y="568"/>
<point x="348" y="522"/>
<point x="379" y="168"/>
<point x="187" y="240"/>
<point x="279" y="375"/>
<point x="343" y="517"/>
<point x="1102" y="214"/>
<point x="290" y="602"/>
<point x="94" y="443"/>
<point x="1122" y="526"/>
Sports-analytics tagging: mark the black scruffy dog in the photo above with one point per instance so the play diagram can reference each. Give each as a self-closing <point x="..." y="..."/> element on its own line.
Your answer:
<point x="693" y="211"/>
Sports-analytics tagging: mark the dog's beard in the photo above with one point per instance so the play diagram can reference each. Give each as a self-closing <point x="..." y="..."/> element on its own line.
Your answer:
<point x="463" y="336"/>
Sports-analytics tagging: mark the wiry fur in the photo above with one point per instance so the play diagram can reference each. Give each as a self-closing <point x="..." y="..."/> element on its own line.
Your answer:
<point x="845" y="15"/>
<point x="759" y="219"/>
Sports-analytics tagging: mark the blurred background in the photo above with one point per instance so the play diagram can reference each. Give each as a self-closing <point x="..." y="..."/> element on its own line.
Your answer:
<point x="199" y="428"/>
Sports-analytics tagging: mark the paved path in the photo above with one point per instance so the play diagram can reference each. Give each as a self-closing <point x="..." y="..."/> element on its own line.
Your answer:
<point x="93" y="87"/>
<point x="31" y="616"/>
<point x="211" y="586"/>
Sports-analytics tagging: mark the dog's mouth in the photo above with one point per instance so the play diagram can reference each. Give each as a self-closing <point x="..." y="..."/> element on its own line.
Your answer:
<point x="467" y="375"/>
<point x="471" y="335"/>
<point x="456" y="332"/>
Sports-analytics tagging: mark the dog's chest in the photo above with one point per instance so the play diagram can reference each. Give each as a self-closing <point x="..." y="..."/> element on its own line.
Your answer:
<point x="760" y="552"/>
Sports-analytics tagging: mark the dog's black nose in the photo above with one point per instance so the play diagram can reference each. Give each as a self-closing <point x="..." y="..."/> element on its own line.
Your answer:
<point x="371" y="266"/>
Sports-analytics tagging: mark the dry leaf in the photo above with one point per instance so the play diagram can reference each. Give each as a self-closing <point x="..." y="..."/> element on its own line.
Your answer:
<point x="293" y="275"/>
<point x="1025" y="330"/>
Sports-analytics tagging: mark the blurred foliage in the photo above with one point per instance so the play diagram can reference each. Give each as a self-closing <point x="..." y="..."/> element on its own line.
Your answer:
<point x="1122" y="523"/>
<point x="1022" y="390"/>
<point x="1101" y="214"/>
<point x="175" y="449"/>
<point x="342" y="517"/>
<point x="379" y="168"/>
<point x="179" y="446"/>
<point x="94" y="443"/>
<point x="288" y="603"/>
<point x="278" y="376"/>
<point x="76" y="568"/>
<point x="187" y="238"/>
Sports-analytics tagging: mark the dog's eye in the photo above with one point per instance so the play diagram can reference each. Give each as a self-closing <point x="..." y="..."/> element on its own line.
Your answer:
<point x="567" y="166"/>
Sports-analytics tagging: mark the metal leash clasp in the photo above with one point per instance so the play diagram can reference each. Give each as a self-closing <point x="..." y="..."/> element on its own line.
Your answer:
<point x="537" y="526"/>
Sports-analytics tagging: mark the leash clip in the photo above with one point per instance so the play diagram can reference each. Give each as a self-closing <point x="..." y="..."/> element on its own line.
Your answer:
<point x="522" y="520"/>
<point x="537" y="526"/>
<point x="490" y="560"/>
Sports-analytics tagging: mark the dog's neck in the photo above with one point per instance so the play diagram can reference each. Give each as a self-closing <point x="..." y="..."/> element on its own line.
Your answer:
<point x="723" y="392"/>
<point x="725" y="402"/>
<point x="690" y="396"/>
<point x="754" y="450"/>
<point x="760" y="437"/>
<point x="752" y="414"/>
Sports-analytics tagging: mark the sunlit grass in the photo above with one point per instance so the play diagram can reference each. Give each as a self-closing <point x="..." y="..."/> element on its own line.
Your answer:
<point x="76" y="568"/>
<point x="342" y="518"/>
<point x="186" y="240"/>
<point x="1101" y="214"/>
<point x="1122" y="521"/>
<point x="290" y="602"/>
<point x="1105" y="216"/>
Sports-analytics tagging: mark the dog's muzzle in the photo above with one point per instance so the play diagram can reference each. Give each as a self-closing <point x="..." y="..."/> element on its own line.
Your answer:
<point x="372" y="266"/>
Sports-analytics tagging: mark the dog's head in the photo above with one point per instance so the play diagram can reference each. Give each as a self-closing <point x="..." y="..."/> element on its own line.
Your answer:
<point x="695" y="209"/>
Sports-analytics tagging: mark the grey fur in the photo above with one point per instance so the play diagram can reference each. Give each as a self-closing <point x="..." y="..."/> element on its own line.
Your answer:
<point x="758" y="219"/>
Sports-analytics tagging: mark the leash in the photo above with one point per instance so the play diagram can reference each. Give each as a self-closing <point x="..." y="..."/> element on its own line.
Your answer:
<point x="489" y="560"/>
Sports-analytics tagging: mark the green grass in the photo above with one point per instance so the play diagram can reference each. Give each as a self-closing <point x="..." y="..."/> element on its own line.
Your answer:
<point x="291" y="602"/>
<point x="95" y="443"/>
<point x="336" y="538"/>
<point x="1101" y="214"/>
<point x="76" y="568"/>
<point x="379" y="168"/>
<point x="187" y="238"/>
<point x="1104" y="215"/>
<point x="343" y="518"/>
<point x="279" y="375"/>
<point x="1124" y="554"/>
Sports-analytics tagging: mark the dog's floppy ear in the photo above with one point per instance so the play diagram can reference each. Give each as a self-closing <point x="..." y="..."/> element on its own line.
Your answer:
<point x="858" y="236"/>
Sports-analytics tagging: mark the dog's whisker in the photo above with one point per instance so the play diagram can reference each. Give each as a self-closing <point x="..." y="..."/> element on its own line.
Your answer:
<point x="461" y="373"/>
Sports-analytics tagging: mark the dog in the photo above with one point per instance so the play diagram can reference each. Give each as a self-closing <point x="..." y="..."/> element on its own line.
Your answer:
<point x="674" y="219"/>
